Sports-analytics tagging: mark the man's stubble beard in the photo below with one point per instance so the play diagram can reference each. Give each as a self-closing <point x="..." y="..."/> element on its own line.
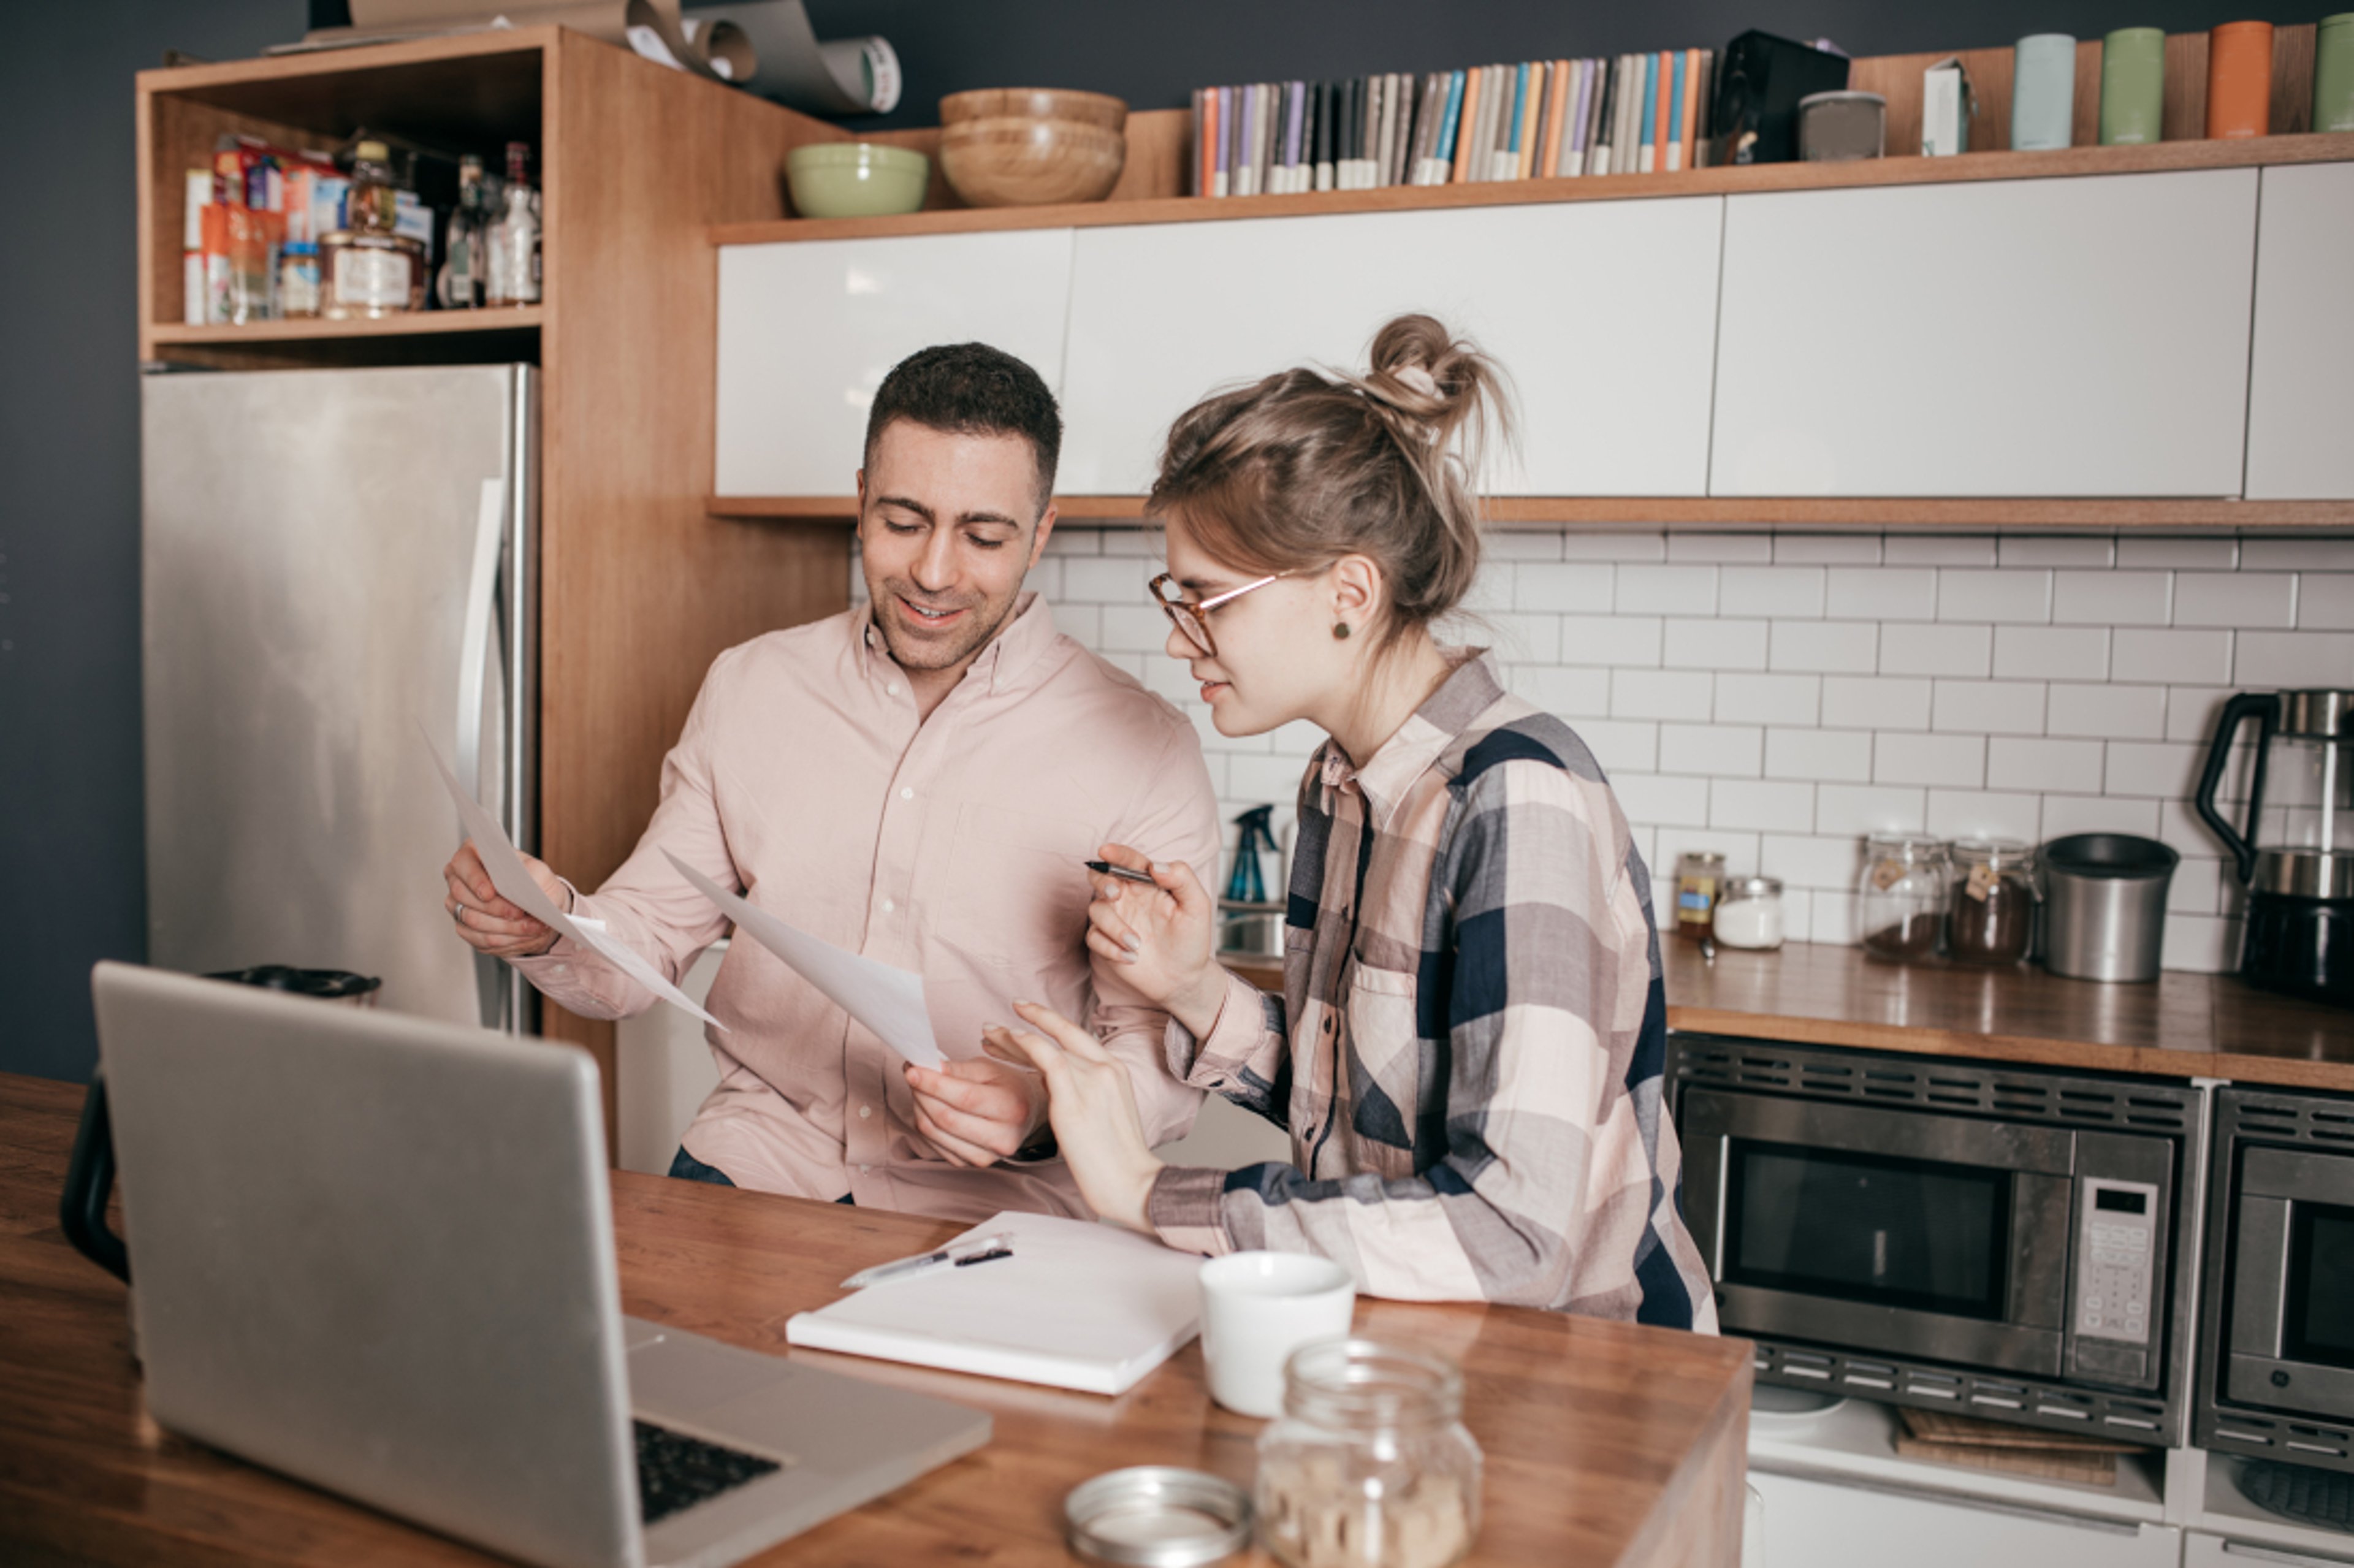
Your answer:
<point x="933" y="656"/>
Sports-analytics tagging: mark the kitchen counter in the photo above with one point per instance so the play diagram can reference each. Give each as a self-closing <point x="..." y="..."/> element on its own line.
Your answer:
<point x="1607" y="1442"/>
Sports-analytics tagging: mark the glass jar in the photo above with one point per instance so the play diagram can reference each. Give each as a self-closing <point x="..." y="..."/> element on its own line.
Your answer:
<point x="1901" y="900"/>
<point x="1369" y="1466"/>
<point x="1749" y="915"/>
<point x="1991" y="916"/>
<point x="1699" y="876"/>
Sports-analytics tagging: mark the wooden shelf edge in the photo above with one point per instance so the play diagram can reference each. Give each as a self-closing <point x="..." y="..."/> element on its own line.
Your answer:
<point x="420" y="325"/>
<point x="2066" y="162"/>
<point x="1737" y="514"/>
<point x="358" y="56"/>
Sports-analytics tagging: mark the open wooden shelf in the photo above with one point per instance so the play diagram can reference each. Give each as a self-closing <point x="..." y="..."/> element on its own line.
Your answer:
<point x="2064" y="163"/>
<point x="1722" y="514"/>
<point x="419" y="323"/>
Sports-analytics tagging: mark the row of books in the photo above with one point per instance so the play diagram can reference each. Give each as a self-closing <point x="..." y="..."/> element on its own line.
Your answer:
<point x="1538" y="119"/>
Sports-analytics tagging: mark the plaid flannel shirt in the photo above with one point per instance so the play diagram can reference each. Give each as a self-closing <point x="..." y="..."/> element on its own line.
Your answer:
<point x="1468" y="1049"/>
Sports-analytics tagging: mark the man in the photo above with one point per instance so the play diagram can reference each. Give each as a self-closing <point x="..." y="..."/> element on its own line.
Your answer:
<point x="920" y="780"/>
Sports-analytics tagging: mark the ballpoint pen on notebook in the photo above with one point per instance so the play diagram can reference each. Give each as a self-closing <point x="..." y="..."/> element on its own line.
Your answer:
<point x="956" y="1254"/>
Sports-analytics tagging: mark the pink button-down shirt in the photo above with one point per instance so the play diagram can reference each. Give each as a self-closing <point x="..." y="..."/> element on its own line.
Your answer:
<point x="952" y="847"/>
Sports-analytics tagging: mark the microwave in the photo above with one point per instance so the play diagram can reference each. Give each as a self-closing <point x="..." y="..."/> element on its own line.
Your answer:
<point x="2276" y="1372"/>
<point x="2009" y="1242"/>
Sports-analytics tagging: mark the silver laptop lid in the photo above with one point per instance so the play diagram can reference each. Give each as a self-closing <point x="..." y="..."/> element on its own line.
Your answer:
<point x="375" y="1253"/>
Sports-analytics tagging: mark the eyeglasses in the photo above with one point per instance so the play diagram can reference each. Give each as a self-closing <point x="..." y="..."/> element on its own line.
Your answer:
<point x="1193" y="621"/>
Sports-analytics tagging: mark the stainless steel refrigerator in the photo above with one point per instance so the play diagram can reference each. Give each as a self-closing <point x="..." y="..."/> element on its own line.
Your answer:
<point x="332" y="558"/>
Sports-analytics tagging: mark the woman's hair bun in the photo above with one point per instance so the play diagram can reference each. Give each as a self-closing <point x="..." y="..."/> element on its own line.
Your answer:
<point x="1443" y="390"/>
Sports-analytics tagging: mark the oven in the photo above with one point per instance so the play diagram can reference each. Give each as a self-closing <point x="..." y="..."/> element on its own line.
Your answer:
<point x="2277" y="1375"/>
<point x="2004" y="1241"/>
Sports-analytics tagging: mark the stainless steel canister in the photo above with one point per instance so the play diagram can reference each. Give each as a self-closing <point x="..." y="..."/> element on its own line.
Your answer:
<point x="2104" y="906"/>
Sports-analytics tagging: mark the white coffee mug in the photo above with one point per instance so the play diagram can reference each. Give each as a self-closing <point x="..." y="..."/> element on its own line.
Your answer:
<point x="1259" y="1307"/>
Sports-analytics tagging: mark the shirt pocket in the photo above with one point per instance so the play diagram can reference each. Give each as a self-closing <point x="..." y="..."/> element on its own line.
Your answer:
<point x="1387" y="1044"/>
<point x="1017" y="890"/>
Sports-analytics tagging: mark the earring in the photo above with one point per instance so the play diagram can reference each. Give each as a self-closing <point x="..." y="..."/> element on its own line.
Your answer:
<point x="1340" y="628"/>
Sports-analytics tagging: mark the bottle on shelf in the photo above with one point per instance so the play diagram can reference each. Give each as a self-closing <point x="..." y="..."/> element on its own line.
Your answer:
<point x="514" y="250"/>
<point x="458" y="286"/>
<point x="367" y="268"/>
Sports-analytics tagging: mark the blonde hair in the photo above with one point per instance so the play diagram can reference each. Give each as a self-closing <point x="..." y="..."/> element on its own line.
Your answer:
<point x="1295" y="472"/>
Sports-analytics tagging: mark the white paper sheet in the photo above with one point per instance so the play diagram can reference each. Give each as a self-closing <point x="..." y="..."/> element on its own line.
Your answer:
<point x="888" y="1001"/>
<point x="515" y="886"/>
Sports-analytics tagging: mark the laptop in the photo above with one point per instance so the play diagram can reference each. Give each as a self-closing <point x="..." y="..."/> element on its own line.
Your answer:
<point x="375" y="1253"/>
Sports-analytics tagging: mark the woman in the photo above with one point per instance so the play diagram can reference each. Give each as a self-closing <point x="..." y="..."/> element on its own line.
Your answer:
<point x="1469" y="1048"/>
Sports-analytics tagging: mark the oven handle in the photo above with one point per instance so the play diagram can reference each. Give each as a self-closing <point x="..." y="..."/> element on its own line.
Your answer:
<point x="1884" y="1130"/>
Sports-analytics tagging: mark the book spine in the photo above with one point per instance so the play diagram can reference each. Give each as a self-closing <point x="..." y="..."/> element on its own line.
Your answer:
<point x="1295" y="138"/>
<point x="1320" y="143"/>
<point x="1245" y="145"/>
<point x="1625" y="98"/>
<point x="1402" y="131"/>
<point x="1222" y="138"/>
<point x="1598" y="156"/>
<point x="1270" y="133"/>
<point x="1532" y="118"/>
<point x="1705" y="138"/>
<point x="1578" y="134"/>
<point x="1467" y="122"/>
<point x="1665" y="130"/>
<point x="1648" y="126"/>
<point x="1391" y="115"/>
<point x="1671" y="131"/>
<point x="1378" y="132"/>
<point x="1561" y="84"/>
<point x="1689" y="132"/>
<point x="1493" y="116"/>
<point x="1449" y="128"/>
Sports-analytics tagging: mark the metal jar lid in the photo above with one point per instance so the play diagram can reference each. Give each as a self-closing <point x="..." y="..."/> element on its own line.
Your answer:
<point x="1157" y="1516"/>
<point x="1745" y="887"/>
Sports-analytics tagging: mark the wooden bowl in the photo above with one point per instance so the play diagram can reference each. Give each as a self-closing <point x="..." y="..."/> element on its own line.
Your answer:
<point x="1097" y="109"/>
<point x="1001" y="161"/>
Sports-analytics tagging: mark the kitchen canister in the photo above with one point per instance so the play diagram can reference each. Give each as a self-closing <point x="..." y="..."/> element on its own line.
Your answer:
<point x="2043" y="92"/>
<point x="2333" y="73"/>
<point x="2239" y="80"/>
<point x="2133" y="86"/>
<point x="2104" y="906"/>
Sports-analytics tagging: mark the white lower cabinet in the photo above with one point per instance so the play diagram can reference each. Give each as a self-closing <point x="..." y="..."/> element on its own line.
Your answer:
<point x="1603" y="313"/>
<point x="1812" y="1523"/>
<point x="2201" y="1549"/>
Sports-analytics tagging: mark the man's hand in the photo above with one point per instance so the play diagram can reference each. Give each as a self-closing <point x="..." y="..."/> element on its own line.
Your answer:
<point x="488" y="922"/>
<point x="978" y="1112"/>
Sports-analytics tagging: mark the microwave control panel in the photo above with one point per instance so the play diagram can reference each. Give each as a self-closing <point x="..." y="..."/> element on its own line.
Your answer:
<point x="2116" y="1254"/>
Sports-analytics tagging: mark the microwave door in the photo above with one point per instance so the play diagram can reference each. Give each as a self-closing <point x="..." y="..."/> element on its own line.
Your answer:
<point x="1905" y="1232"/>
<point x="2292" y="1305"/>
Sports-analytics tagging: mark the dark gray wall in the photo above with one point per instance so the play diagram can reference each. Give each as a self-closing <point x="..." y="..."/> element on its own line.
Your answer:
<point x="71" y="883"/>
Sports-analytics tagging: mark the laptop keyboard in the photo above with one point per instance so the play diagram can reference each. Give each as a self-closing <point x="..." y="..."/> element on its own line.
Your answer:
<point x="675" y="1471"/>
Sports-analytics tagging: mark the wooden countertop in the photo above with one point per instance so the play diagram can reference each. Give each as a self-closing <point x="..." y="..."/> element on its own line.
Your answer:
<point x="2178" y="1026"/>
<point x="1606" y="1443"/>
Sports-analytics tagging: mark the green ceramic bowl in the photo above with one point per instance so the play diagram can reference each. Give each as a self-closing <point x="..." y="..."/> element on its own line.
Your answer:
<point x="855" y="179"/>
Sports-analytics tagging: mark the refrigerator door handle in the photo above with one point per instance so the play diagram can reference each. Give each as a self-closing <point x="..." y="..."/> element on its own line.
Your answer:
<point x="473" y="649"/>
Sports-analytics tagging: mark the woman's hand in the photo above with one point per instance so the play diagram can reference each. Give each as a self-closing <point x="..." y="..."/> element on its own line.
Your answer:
<point x="1092" y="1105"/>
<point x="488" y="922"/>
<point x="1164" y="935"/>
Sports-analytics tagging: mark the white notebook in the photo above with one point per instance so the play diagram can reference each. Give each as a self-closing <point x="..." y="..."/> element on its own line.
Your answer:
<point x="1080" y="1305"/>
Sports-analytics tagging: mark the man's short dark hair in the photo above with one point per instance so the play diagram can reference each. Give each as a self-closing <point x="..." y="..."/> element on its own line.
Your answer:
<point x="971" y="389"/>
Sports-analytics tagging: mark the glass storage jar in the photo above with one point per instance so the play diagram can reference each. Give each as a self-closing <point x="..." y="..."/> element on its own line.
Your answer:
<point x="1700" y="877"/>
<point x="1749" y="913"/>
<point x="1991" y="916"/>
<point x="1369" y="1466"/>
<point x="1901" y="900"/>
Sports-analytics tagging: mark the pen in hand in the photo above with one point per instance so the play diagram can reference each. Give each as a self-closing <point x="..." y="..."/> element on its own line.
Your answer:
<point x="1106" y="868"/>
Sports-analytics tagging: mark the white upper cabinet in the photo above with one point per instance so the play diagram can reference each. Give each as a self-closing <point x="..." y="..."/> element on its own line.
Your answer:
<point x="1603" y="312"/>
<point x="808" y="330"/>
<point x="2057" y="337"/>
<point x="2301" y="393"/>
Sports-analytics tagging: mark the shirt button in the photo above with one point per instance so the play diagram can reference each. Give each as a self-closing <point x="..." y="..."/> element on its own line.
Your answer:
<point x="892" y="690"/>
<point x="862" y="1169"/>
<point x="564" y="968"/>
<point x="888" y="906"/>
<point x="906" y="792"/>
<point x="864" y="1112"/>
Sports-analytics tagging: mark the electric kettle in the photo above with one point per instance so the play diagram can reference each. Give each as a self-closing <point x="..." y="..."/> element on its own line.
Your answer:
<point x="2295" y="855"/>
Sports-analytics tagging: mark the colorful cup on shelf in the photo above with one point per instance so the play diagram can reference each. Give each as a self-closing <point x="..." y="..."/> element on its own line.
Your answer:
<point x="2333" y="73"/>
<point x="2133" y="86"/>
<point x="2043" y="92"/>
<point x="2239" y="80"/>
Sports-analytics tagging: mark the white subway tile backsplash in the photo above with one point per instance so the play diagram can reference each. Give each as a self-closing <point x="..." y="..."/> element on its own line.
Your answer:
<point x="1682" y="547"/>
<point x="1738" y="847"/>
<point x="2051" y="652"/>
<point x="1874" y="701"/>
<point x="2112" y="713"/>
<point x="1524" y="638"/>
<point x="1610" y="640"/>
<point x="1143" y="541"/>
<point x="1068" y="540"/>
<point x="2293" y="659"/>
<point x="1833" y="918"/>
<point x="2197" y="887"/>
<point x="2234" y="598"/>
<point x="1583" y="587"/>
<point x="1718" y="750"/>
<point x="1766" y="805"/>
<point x="1576" y="547"/>
<point x="1695" y="644"/>
<point x="2111" y="598"/>
<point x="2056" y="550"/>
<point x="2015" y="762"/>
<point x="1907" y="649"/>
<point x="1658" y="799"/>
<point x="1827" y="549"/>
<point x="1106" y="579"/>
<point x="1132" y="629"/>
<point x="1629" y="744"/>
<point x="1958" y="760"/>
<point x="1854" y="810"/>
<point x="2192" y="710"/>
<point x="1938" y="550"/>
<point x="1824" y="647"/>
<point x="2200" y="942"/>
<point x="1811" y="861"/>
<point x="1254" y="779"/>
<point x="1491" y="590"/>
<point x="2324" y="601"/>
<point x="2065" y="814"/>
<point x="2159" y="770"/>
<point x="2296" y="555"/>
<point x="2190" y="555"/>
<point x="1522" y="544"/>
<point x="1843" y="755"/>
<point x="1569" y="690"/>
<point x="1769" y="699"/>
<point x="2144" y="654"/>
<point x="1988" y="707"/>
<point x="1881" y="593"/>
<point x="2006" y="595"/>
<point x="1781" y="592"/>
<point x="1667" y="591"/>
<point x="1984" y="813"/>
<point x="1662" y="694"/>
